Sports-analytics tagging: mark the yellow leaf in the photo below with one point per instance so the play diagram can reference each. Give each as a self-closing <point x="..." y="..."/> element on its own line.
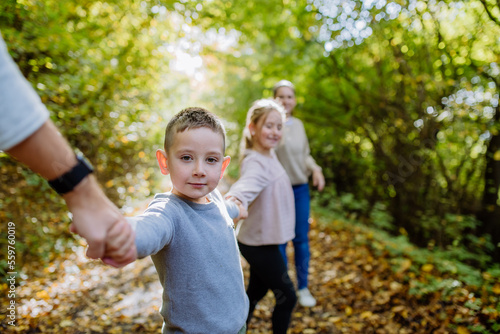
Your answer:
<point x="496" y="156"/>
<point x="462" y="330"/>
<point x="405" y="265"/>
<point x="96" y="328"/>
<point x="395" y="286"/>
<point x="427" y="267"/>
<point x="66" y="323"/>
<point x="398" y="308"/>
<point x="496" y="289"/>
<point x="487" y="276"/>
<point x="348" y="310"/>
<point x="42" y="295"/>
<point x="366" y="314"/>
<point x="335" y="320"/>
<point x="357" y="326"/>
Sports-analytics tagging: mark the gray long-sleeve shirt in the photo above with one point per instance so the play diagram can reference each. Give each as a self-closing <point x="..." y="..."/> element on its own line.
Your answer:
<point x="194" y="250"/>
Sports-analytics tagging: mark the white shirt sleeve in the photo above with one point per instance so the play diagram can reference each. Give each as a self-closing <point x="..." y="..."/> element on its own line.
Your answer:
<point x="21" y="109"/>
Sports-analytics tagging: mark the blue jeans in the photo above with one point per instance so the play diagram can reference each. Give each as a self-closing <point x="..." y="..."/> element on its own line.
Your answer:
<point x="301" y="240"/>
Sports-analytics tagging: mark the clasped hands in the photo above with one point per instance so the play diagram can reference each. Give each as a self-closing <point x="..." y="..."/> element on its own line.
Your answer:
<point x="243" y="211"/>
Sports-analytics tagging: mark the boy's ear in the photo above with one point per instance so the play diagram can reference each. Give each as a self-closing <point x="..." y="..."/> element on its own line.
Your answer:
<point x="162" y="158"/>
<point x="225" y="163"/>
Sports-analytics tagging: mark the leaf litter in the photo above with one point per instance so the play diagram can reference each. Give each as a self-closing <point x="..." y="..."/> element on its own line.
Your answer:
<point x="356" y="292"/>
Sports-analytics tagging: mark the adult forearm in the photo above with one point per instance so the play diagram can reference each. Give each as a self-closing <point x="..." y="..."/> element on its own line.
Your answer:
<point x="45" y="152"/>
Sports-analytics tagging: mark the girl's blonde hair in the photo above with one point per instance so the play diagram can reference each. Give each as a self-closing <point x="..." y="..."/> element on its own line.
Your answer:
<point x="260" y="108"/>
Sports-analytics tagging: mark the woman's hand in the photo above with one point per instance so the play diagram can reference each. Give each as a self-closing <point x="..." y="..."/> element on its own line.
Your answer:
<point x="318" y="179"/>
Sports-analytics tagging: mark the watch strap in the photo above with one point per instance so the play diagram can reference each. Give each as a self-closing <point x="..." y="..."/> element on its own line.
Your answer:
<point x="69" y="180"/>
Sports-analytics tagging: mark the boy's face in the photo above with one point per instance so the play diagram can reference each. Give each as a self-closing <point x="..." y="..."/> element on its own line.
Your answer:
<point x="195" y="162"/>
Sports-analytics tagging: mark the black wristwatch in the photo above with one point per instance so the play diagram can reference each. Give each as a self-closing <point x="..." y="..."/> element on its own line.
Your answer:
<point x="68" y="181"/>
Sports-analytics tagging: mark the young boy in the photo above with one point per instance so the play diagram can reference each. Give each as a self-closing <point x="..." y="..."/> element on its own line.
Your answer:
<point x="189" y="233"/>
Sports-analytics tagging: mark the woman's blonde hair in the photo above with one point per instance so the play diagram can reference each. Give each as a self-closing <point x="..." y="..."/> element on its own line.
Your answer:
<point x="260" y="108"/>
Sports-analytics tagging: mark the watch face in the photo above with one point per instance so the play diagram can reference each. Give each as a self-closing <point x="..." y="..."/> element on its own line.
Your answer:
<point x="86" y="162"/>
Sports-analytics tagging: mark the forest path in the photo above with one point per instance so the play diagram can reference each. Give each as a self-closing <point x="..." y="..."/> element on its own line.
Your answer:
<point x="357" y="292"/>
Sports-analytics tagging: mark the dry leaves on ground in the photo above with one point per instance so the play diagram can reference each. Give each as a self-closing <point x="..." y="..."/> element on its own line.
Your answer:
<point x="357" y="292"/>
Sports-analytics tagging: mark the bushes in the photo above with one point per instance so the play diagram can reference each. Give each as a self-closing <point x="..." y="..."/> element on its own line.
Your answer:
<point x="467" y="296"/>
<point x="451" y="237"/>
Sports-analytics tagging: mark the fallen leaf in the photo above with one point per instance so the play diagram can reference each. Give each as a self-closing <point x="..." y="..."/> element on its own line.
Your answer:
<point x="427" y="267"/>
<point x="66" y="323"/>
<point x="366" y="314"/>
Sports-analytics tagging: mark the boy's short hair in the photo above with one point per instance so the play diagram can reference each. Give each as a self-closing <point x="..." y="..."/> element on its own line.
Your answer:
<point x="193" y="118"/>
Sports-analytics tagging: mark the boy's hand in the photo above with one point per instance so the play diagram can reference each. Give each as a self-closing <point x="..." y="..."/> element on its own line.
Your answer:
<point x="120" y="245"/>
<point x="243" y="212"/>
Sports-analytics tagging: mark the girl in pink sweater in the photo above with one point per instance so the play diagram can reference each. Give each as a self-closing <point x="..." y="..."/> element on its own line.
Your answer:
<point x="265" y="190"/>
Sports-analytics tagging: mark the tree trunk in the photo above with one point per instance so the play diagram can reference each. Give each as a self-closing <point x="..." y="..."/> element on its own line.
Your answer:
<point x="490" y="209"/>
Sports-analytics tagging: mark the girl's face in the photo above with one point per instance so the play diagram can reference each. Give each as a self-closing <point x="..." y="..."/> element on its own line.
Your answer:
<point x="287" y="99"/>
<point x="267" y="133"/>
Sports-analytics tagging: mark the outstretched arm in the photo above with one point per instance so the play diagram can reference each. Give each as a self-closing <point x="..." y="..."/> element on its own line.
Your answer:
<point x="47" y="153"/>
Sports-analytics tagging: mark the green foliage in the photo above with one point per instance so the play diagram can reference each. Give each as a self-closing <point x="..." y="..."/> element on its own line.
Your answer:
<point x="398" y="112"/>
<point x="100" y="68"/>
<point x="401" y="115"/>
<point x="349" y="203"/>
<point x="381" y="218"/>
<point x="399" y="100"/>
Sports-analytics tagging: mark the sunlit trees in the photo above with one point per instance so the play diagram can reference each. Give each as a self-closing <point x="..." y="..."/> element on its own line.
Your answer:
<point x="400" y="98"/>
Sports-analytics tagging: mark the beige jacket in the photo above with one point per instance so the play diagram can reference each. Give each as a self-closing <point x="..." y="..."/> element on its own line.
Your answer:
<point x="294" y="154"/>
<point x="264" y="188"/>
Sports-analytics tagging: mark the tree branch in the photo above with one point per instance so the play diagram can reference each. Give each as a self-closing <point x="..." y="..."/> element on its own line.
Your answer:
<point x="490" y="14"/>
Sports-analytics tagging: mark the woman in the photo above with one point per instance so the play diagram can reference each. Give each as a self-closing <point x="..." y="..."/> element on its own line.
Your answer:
<point x="294" y="154"/>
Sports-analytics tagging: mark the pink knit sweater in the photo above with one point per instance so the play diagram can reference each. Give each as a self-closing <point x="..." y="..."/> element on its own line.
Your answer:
<point x="265" y="189"/>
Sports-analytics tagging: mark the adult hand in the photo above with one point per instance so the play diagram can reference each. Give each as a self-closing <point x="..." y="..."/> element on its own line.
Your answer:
<point x="120" y="250"/>
<point x="94" y="216"/>
<point x="318" y="179"/>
